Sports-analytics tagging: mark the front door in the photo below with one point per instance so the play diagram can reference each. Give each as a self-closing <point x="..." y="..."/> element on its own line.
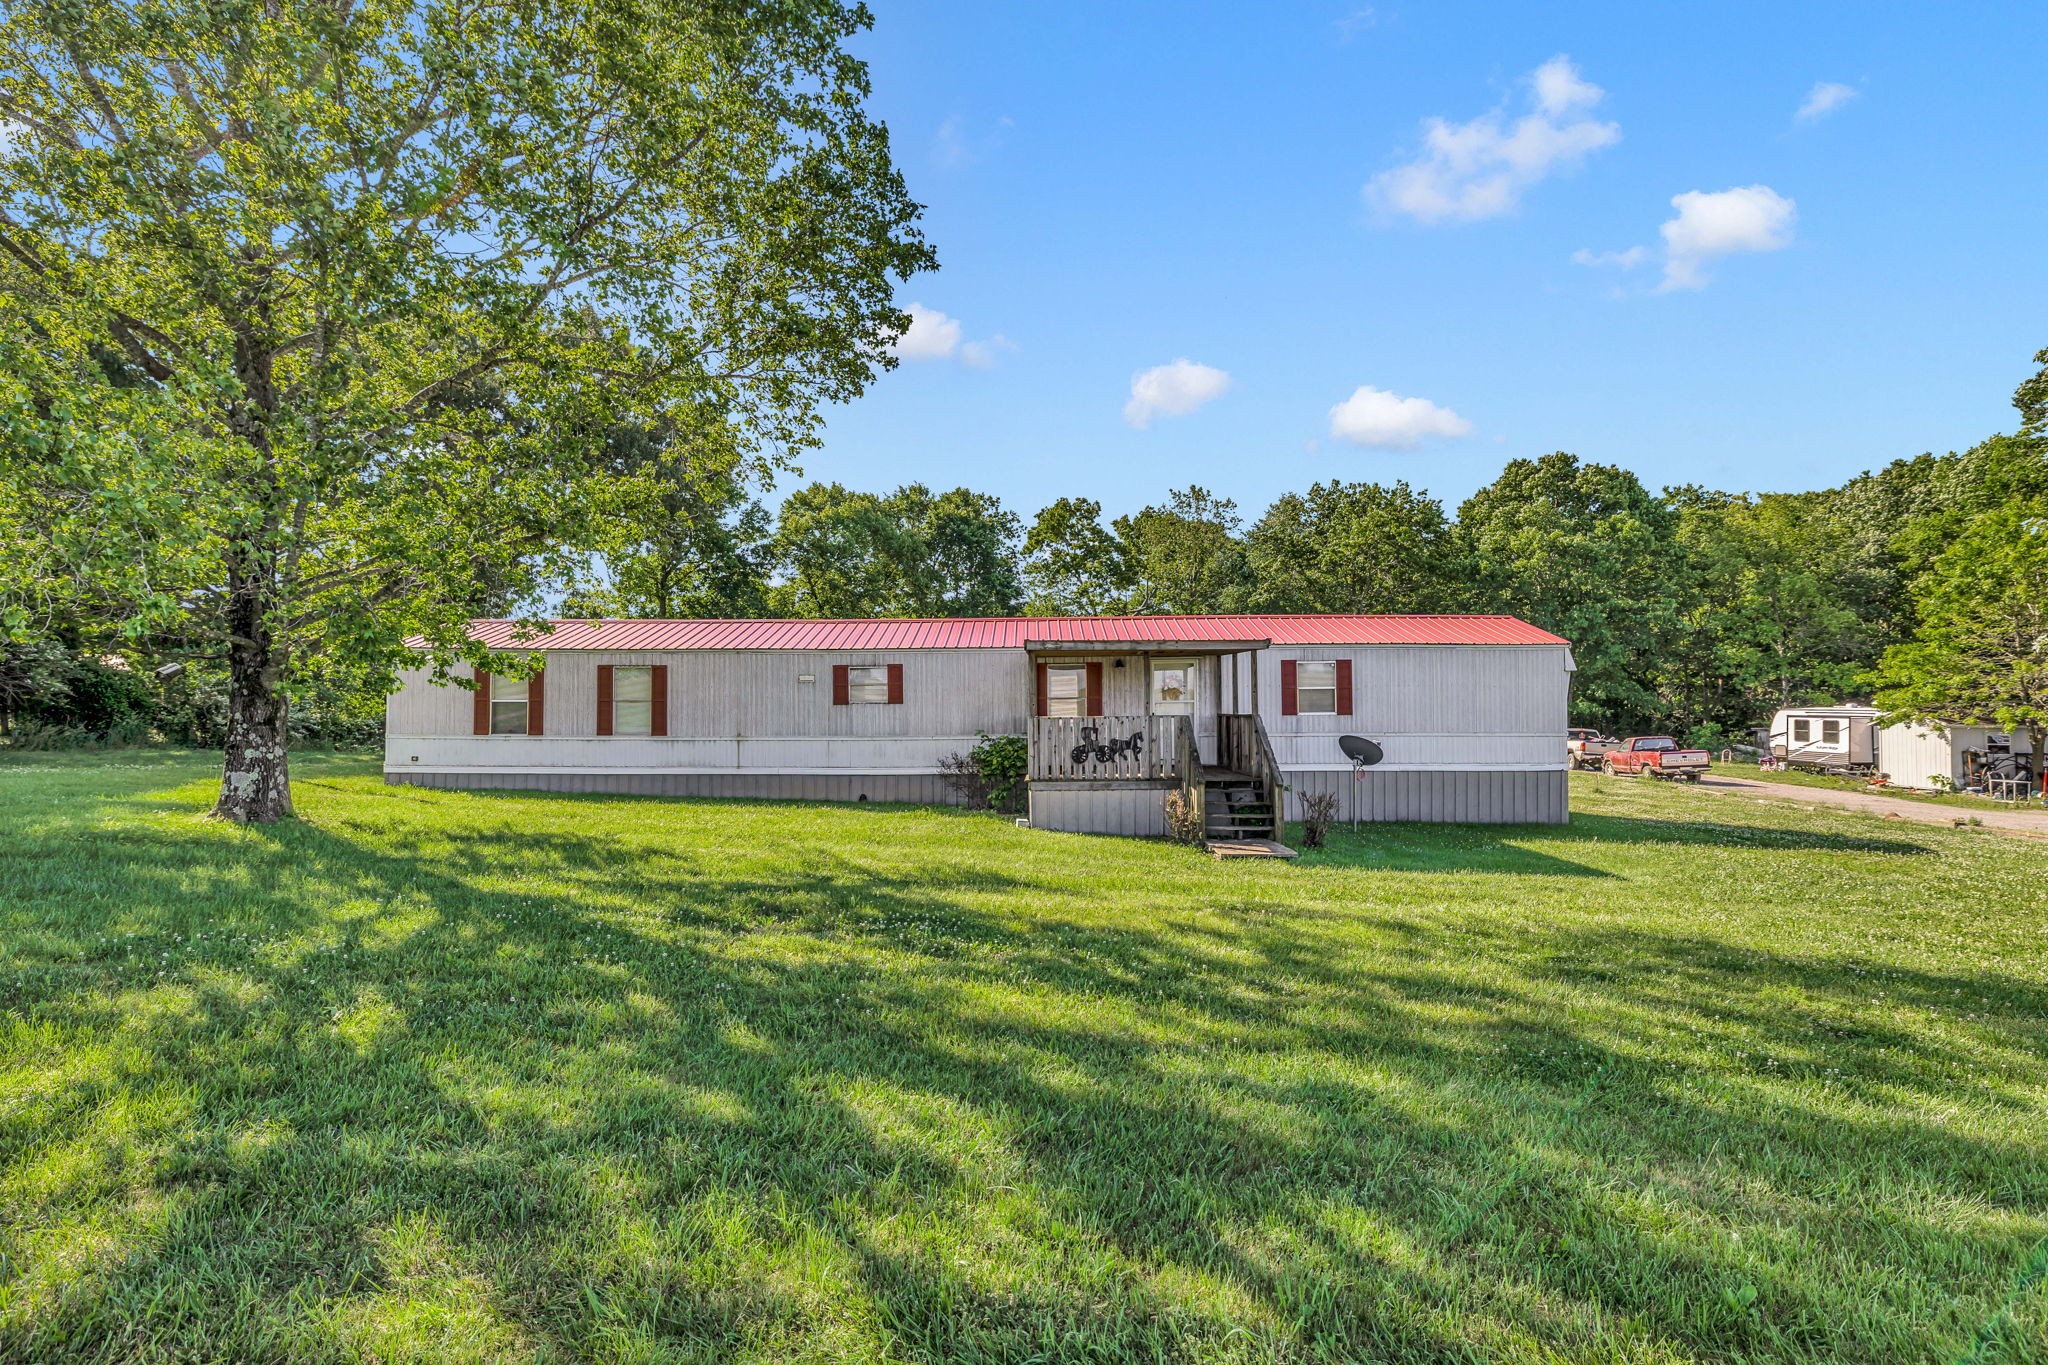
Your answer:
<point x="1174" y="685"/>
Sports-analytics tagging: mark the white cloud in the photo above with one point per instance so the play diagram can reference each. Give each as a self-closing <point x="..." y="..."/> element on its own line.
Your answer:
<point x="982" y="355"/>
<point x="1621" y="260"/>
<point x="1824" y="99"/>
<point x="1708" y="226"/>
<point x="1172" y="391"/>
<point x="1355" y="23"/>
<point x="1480" y="169"/>
<point x="956" y="144"/>
<point x="1386" y="421"/>
<point x="931" y="335"/>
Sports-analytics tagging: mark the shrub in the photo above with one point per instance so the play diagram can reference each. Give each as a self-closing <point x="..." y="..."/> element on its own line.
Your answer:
<point x="1183" y="818"/>
<point x="1003" y="762"/>
<point x="959" y="772"/>
<point x="1318" y="809"/>
<point x="991" y="775"/>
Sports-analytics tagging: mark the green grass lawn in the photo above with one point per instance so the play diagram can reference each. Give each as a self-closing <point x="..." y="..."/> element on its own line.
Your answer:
<point x="461" y="1076"/>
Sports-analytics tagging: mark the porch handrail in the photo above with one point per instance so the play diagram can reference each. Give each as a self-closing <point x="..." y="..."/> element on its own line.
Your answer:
<point x="1243" y="745"/>
<point x="1109" y="748"/>
<point x="1194" y="789"/>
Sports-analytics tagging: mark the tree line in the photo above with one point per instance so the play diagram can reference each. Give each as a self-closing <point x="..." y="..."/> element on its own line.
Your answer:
<point x="1692" y="610"/>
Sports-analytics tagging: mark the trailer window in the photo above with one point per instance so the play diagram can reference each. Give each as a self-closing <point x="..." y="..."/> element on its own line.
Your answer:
<point x="1066" y="690"/>
<point x="868" y="685"/>
<point x="633" y="700"/>
<point x="508" y="706"/>
<point x="1802" y="731"/>
<point x="1831" y="732"/>
<point x="1315" y="687"/>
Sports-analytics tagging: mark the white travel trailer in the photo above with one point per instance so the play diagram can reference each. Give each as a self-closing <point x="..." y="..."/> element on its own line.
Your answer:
<point x="1232" y="711"/>
<point x="1917" y="754"/>
<point x="1839" y="738"/>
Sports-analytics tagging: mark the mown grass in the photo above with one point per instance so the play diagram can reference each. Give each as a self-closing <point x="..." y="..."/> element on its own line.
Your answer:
<point x="478" y="1077"/>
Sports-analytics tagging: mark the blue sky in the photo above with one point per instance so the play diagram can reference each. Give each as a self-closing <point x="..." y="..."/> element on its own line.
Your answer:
<point x="1256" y="189"/>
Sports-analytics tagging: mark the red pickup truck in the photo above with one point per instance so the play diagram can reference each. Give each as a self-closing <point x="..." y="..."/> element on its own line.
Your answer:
<point x="1656" y="756"/>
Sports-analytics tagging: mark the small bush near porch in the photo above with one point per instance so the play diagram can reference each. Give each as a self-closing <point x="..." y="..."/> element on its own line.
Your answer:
<point x="434" y="1075"/>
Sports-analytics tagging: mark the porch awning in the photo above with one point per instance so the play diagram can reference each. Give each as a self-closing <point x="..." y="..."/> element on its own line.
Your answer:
<point x="1143" y="646"/>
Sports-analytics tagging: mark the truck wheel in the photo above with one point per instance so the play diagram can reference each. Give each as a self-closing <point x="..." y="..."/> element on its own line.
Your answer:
<point x="1607" y="767"/>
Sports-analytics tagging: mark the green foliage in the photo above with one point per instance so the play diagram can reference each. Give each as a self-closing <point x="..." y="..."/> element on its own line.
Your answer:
<point x="1981" y="653"/>
<point x="698" y="546"/>
<point x="1185" y="556"/>
<point x="1355" y="547"/>
<point x="1586" y="551"/>
<point x="315" y="322"/>
<point x="1072" y="565"/>
<point x="908" y="553"/>
<point x="1003" y="761"/>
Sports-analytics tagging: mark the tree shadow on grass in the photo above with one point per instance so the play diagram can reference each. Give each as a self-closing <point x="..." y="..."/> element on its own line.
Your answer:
<point x="1544" y="850"/>
<point x="872" y="1105"/>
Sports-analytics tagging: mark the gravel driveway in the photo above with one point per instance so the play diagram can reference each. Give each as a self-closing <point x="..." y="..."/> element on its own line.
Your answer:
<point x="2031" y="820"/>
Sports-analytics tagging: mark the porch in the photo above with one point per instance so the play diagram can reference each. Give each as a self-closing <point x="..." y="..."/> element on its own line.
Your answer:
<point x="1112" y="775"/>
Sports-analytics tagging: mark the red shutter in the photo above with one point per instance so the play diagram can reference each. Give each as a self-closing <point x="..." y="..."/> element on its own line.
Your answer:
<point x="604" y="699"/>
<point x="1095" y="688"/>
<point x="1288" y="704"/>
<point x="659" y="724"/>
<point x="536" y="694"/>
<point x="1041" y="687"/>
<point x="483" y="702"/>
<point x="842" y="694"/>
<point x="895" y="684"/>
<point x="1343" y="687"/>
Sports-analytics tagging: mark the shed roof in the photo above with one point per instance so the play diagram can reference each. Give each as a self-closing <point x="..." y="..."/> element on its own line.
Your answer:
<point x="1012" y="632"/>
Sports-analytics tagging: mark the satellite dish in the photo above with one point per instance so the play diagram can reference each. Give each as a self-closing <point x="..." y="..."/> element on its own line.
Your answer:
<point x="1362" y="752"/>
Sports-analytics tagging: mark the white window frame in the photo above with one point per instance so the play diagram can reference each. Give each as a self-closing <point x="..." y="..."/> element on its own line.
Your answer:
<point x="633" y="716"/>
<point x="1057" y="705"/>
<point x="867" y="684"/>
<point x="1324" y="693"/>
<point x="510" y="707"/>
<point x="1831" y="733"/>
<point x="1802" y="729"/>
<point x="1173" y="706"/>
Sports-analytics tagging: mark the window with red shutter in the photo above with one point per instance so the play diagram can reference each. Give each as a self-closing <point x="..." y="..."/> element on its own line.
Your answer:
<point x="895" y="684"/>
<point x="1287" y="702"/>
<point x="1343" y="687"/>
<point x="660" y="721"/>
<point x="604" y="699"/>
<point x="481" y="720"/>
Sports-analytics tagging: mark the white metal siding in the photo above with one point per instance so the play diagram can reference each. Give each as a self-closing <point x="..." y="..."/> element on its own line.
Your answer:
<point x="1137" y="811"/>
<point x="1430" y="707"/>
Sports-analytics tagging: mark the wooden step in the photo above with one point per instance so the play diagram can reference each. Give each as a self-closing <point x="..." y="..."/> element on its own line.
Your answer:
<point x="1248" y="848"/>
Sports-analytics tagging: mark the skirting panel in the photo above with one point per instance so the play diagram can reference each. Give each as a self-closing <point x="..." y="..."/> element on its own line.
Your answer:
<point x="1115" y="809"/>
<point x="1515" y="797"/>
<point x="912" y="788"/>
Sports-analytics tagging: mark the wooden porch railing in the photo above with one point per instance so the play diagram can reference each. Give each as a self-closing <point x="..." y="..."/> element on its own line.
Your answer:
<point x="1243" y="746"/>
<point x="1106" y="748"/>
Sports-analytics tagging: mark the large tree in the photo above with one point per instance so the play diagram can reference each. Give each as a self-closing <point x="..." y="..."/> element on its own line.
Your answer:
<point x="699" y="546"/>
<point x="912" y="552"/>
<point x="1185" y="555"/>
<point x="1355" y="547"/>
<point x="1981" y="654"/>
<point x="253" y="255"/>
<point x="1073" y="566"/>
<point x="1586" y="551"/>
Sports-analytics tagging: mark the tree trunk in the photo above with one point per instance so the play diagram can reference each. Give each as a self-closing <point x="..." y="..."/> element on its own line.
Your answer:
<point x="255" y="780"/>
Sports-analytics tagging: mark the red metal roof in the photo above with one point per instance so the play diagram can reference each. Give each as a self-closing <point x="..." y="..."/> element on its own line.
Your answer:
<point x="1011" y="632"/>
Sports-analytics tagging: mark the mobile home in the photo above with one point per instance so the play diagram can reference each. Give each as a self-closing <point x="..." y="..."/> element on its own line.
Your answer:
<point x="1838" y="737"/>
<point x="1234" y="711"/>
